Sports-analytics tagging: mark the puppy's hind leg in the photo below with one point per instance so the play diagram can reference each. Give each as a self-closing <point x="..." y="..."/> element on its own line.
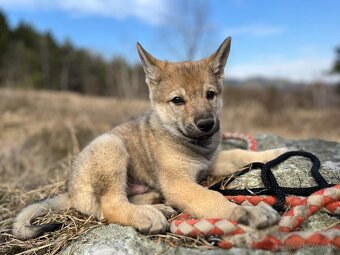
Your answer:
<point x="146" y="218"/>
<point x="148" y="198"/>
<point x="229" y="161"/>
<point x="111" y="161"/>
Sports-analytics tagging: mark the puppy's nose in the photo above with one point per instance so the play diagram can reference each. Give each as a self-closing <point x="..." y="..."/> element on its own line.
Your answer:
<point x="205" y="125"/>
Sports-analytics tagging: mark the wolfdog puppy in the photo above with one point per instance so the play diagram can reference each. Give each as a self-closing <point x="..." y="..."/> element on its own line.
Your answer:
<point x="125" y="174"/>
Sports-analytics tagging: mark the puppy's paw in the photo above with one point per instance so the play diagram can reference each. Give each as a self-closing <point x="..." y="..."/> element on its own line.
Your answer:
<point x="268" y="155"/>
<point x="259" y="217"/>
<point x="149" y="220"/>
<point x="166" y="210"/>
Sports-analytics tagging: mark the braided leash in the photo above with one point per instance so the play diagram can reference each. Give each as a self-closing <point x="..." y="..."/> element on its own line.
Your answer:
<point x="291" y="201"/>
<point x="280" y="236"/>
<point x="251" y="142"/>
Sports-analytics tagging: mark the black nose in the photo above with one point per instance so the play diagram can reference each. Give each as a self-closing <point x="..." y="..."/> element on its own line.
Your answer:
<point x="205" y="125"/>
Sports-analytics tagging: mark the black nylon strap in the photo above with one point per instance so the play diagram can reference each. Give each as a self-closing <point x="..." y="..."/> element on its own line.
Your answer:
<point x="270" y="183"/>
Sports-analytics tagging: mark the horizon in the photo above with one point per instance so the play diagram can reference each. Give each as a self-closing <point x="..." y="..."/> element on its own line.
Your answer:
<point x="260" y="47"/>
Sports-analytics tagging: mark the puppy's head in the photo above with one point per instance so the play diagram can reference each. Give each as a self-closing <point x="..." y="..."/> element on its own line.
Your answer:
<point x="187" y="96"/>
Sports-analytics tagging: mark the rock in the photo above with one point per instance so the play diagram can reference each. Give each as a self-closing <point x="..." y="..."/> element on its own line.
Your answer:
<point x="115" y="239"/>
<point x="295" y="172"/>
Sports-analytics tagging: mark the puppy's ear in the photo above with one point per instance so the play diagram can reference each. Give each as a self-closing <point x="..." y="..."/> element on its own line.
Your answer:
<point x="150" y="65"/>
<point x="218" y="60"/>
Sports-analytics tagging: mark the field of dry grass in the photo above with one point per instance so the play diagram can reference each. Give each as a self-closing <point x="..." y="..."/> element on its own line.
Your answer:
<point x="41" y="132"/>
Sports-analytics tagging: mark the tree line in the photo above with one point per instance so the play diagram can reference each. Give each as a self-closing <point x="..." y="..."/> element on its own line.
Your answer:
<point x="32" y="59"/>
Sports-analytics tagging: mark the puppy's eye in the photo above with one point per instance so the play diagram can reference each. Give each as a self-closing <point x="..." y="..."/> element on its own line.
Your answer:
<point x="210" y="95"/>
<point x="177" y="100"/>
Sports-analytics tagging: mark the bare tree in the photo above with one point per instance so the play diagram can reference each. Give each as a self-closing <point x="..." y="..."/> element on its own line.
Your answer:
<point x="187" y="25"/>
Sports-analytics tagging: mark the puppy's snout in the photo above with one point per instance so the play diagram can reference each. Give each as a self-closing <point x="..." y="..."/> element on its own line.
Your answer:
<point x="205" y="124"/>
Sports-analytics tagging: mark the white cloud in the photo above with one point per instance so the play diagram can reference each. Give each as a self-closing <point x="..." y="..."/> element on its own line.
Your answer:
<point x="238" y="3"/>
<point x="147" y="10"/>
<point x="255" y="30"/>
<point x="300" y="68"/>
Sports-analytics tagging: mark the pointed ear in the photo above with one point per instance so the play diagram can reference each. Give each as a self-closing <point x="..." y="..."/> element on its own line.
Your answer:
<point x="150" y="65"/>
<point x="218" y="60"/>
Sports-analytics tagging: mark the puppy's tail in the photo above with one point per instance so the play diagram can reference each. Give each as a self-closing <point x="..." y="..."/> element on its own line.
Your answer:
<point x="22" y="226"/>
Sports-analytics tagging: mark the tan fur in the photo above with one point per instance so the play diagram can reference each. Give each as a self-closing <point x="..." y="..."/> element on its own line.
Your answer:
<point x="165" y="151"/>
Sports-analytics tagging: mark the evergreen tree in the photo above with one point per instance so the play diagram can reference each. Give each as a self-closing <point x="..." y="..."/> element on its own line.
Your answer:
<point x="4" y="34"/>
<point x="336" y="65"/>
<point x="32" y="59"/>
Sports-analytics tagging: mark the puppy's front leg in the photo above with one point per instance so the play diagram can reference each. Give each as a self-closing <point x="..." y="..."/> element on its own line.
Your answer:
<point x="229" y="161"/>
<point x="185" y="194"/>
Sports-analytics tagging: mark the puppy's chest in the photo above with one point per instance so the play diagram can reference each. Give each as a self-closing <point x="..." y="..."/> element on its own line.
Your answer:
<point x="145" y="169"/>
<point x="148" y="159"/>
<point x="142" y="167"/>
<point x="202" y="170"/>
<point x="204" y="164"/>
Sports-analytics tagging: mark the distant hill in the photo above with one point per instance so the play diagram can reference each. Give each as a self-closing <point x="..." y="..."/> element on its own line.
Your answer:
<point x="264" y="82"/>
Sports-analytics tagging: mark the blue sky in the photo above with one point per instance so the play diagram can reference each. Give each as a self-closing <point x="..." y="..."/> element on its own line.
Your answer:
<point x="278" y="39"/>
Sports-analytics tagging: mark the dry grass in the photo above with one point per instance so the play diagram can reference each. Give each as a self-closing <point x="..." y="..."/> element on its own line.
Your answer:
<point x="41" y="133"/>
<point x="74" y="223"/>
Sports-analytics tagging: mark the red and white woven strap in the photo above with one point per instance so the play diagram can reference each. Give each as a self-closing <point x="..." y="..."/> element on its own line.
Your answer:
<point x="235" y="234"/>
<point x="195" y="227"/>
<point x="251" y="142"/>
<point x="278" y="240"/>
<point x="331" y="208"/>
<point x="296" y="215"/>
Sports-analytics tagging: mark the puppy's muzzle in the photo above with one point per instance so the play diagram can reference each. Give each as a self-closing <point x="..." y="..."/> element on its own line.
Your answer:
<point x="205" y="124"/>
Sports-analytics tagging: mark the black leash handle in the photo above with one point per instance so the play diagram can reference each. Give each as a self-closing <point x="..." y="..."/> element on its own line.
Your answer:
<point x="270" y="183"/>
<point x="314" y="169"/>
